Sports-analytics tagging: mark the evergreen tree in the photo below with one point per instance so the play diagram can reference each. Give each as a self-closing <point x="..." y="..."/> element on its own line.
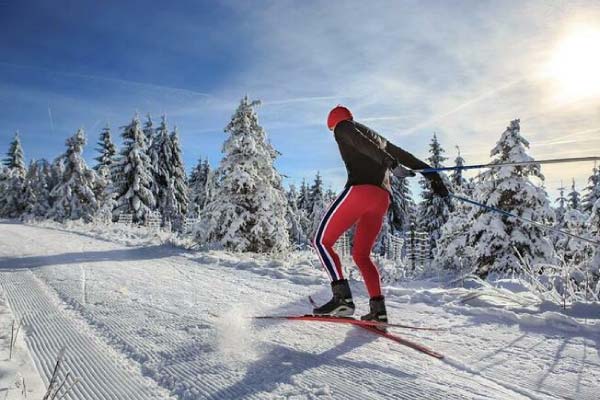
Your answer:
<point x="133" y="174"/>
<point x="562" y="205"/>
<point x="433" y="210"/>
<point x="247" y="207"/>
<point x="176" y="207"/>
<point x="317" y="204"/>
<point x="574" y="198"/>
<point x="401" y="213"/>
<point x="15" y="159"/>
<point x="37" y="193"/>
<point x="75" y="196"/>
<point x="304" y="197"/>
<point x="107" y="150"/>
<point x="592" y="191"/>
<point x="149" y="130"/>
<point x="197" y="187"/>
<point x="494" y="236"/>
<point x="12" y="199"/>
<point x="294" y="218"/>
<point x="457" y="179"/>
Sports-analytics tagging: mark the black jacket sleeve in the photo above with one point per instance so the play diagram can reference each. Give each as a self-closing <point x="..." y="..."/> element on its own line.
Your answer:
<point x="365" y="141"/>
<point x="375" y="146"/>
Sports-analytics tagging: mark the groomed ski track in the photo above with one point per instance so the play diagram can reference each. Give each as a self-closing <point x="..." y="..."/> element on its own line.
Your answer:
<point x="143" y="323"/>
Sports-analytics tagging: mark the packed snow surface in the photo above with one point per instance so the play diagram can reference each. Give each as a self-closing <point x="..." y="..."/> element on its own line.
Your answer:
<point x="156" y="321"/>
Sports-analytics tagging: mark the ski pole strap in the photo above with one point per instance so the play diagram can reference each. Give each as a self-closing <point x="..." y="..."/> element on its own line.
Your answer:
<point x="510" y="164"/>
<point x="538" y="224"/>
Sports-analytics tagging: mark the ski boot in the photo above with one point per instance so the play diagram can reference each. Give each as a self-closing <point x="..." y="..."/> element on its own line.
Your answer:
<point x="378" y="313"/>
<point x="341" y="304"/>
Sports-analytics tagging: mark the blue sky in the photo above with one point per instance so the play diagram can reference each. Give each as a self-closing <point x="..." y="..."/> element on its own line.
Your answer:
<point x="406" y="68"/>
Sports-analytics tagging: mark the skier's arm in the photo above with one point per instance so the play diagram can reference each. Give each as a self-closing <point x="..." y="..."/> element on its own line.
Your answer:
<point x="412" y="162"/>
<point x="366" y="142"/>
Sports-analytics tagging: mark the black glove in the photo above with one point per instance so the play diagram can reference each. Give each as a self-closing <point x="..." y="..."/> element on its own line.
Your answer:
<point x="438" y="187"/>
<point x="401" y="172"/>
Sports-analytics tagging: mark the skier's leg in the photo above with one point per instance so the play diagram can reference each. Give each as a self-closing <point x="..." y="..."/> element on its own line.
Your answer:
<point x="338" y="218"/>
<point x="366" y="233"/>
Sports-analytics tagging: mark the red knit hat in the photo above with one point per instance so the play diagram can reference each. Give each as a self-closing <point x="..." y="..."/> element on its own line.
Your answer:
<point x="338" y="114"/>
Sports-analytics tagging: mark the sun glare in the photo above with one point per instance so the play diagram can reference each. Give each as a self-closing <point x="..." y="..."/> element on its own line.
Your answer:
<point x="575" y="64"/>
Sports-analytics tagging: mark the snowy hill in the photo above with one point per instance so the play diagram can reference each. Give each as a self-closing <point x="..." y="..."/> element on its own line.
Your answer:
<point x="162" y="322"/>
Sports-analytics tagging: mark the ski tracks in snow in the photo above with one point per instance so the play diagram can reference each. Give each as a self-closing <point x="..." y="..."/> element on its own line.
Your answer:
<point x="153" y="310"/>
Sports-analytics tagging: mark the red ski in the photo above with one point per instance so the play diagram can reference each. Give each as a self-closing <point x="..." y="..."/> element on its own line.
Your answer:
<point x="346" y="320"/>
<point x="370" y="326"/>
<point x="405" y="342"/>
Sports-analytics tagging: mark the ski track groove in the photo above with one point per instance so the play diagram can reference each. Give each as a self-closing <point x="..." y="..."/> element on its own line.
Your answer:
<point x="48" y="330"/>
<point x="182" y="356"/>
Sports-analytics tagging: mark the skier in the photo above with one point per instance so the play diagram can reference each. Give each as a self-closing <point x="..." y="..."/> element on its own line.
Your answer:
<point x="369" y="159"/>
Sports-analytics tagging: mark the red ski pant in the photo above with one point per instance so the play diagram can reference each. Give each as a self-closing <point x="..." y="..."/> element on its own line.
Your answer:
<point x="365" y="205"/>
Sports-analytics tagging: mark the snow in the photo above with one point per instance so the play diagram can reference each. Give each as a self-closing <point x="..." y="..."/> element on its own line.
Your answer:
<point x="174" y="322"/>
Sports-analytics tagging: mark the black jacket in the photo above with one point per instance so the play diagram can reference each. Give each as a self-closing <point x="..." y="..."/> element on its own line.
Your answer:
<point x="369" y="157"/>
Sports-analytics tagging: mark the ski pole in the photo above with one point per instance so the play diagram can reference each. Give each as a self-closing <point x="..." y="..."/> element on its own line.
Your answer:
<point x="538" y="224"/>
<point x="509" y="164"/>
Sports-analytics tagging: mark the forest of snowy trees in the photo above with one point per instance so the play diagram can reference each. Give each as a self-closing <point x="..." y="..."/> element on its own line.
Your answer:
<point x="242" y="204"/>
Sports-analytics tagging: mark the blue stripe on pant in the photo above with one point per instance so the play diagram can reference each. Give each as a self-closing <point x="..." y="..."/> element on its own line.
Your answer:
<point x="326" y="259"/>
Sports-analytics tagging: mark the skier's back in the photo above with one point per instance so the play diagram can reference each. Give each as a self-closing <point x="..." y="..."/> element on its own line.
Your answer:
<point x="369" y="160"/>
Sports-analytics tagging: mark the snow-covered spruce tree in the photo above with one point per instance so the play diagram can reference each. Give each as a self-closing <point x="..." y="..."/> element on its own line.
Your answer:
<point x="494" y="236"/>
<point x="15" y="159"/>
<point x="593" y="265"/>
<point x="149" y="130"/>
<point x="247" y="205"/>
<point x="433" y="210"/>
<point x="573" y="251"/>
<point x="574" y="197"/>
<point x="304" y="197"/>
<point x="74" y="197"/>
<point x="559" y="213"/>
<point x="317" y="204"/>
<point x="175" y="208"/>
<point x="159" y="156"/>
<point x="105" y="195"/>
<point x="12" y="202"/>
<point x="106" y="149"/>
<point x="592" y="191"/>
<point x="132" y="174"/>
<point x="37" y="192"/>
<point x="456" y="178"/>
<point x="197" y="184"/>
<point x="294" y="218"/>
<point x="402" y="208"/>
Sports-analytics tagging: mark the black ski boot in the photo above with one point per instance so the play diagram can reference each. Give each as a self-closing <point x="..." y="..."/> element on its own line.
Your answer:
<point x="341" y="304"/>
<point x="378" y="313"/>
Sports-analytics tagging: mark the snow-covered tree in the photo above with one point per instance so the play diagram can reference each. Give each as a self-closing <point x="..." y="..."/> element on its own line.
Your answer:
<point x="592" y="191"/>
<point x="317" y="204"/>
<point x="149" y="131"/>
<point x="175" y="208"/>
<point x="15" y="159"/>
<point x="456" y="178"/>
<point x="75" y="194"/>
<point x="494" y="236"/>
<point x="304" y="197"/>
<point x="574" y="197"/>
<point x="106" y="149"/>
<point x="562" y="201"/>
<point x="247" y="207"/>
<point x="295" y="217"/>
<point x="573" y="251"/>
<point x="12" y="198"/>
<point x="433" y="210"/>
<point x="402" y="208"/>
<point x="197" y="185"/>
<point x="594" y="228"/>
<point x="133" y="174"/>
<point x="37" y="192"/>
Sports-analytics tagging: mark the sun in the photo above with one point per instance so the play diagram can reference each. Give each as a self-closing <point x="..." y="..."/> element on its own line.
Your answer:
<point x="575" y="64"/>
